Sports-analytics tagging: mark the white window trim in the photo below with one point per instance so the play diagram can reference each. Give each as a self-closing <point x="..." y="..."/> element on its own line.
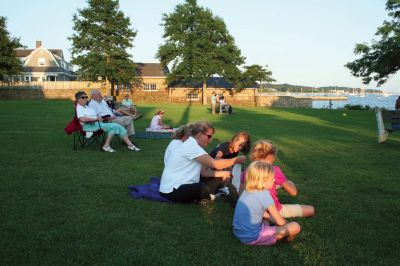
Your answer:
<point x="150" y="85"/>
<point x="40" y="60"/>
<point x="192" y="96"/>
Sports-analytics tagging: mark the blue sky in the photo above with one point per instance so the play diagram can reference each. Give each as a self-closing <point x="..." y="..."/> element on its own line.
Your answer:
<point x="303" y="42"/>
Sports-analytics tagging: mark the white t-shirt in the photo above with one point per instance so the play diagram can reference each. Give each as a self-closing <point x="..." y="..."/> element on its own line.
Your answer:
<point x="175" y="143"/>
<point x="85" y="112"/>
<point x="182" y="167"/>
<point x="155" y="124"/>
<point x="101" y="108"/>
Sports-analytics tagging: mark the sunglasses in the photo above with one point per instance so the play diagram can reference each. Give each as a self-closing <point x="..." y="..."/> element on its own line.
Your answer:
<point x="209" y="136"/>
<point x="83" y="97"/>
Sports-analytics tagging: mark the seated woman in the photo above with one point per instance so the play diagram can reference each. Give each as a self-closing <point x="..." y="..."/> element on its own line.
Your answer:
<point x="157" y="123"/>
<point x="178" y="137"/>
<point x="127" y="106"/>
<point x="180" y="180"/>
<point x="91" y="122"/>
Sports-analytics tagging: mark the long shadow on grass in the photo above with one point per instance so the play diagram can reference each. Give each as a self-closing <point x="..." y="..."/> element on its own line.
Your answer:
<point x="306" y="120"/>
<point x="185" y="116"/>
<point x="292" y="129"/>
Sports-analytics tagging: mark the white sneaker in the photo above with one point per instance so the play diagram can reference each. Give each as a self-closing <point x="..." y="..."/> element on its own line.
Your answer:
<point x="108" y="149"/>
<point x="89" y="134"/>
<point x="134" y="148"/>
<point x="224" y="190"/>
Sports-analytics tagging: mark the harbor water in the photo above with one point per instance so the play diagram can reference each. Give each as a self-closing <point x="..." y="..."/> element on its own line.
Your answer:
<point x="373" y="100"/>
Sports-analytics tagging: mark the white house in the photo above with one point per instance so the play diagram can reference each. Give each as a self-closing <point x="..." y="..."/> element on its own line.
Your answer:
<point x="41" y="64"/>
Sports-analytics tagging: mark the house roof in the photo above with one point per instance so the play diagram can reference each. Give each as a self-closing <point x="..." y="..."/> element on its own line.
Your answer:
<point x="151" y="70"/>
<point x="25" y="52"/>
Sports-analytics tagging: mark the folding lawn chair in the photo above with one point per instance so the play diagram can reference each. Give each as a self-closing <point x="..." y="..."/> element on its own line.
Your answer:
<point x="83" y="139"/>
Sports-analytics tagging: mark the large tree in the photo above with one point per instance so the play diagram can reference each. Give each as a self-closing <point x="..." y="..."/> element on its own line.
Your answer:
<point x="9" y="62"/>
<point x="381" y="58"/>
<point x="254" y="73"/>
<point x="198" y="45"/>
<point x="100" y="42"/>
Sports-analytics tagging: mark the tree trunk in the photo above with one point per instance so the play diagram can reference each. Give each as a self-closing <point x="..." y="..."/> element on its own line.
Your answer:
<point x="112" y="90"/>
<point x="203" y="93"/>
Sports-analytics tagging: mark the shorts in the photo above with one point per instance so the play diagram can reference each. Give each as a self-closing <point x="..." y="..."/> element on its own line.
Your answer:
<point x="266" y="237"/>
<point x="291" y="210"/>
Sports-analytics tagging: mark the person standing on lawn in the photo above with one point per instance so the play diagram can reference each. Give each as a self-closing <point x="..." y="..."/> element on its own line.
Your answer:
<point x="221" y="100"/>
<point x="213" y="102"/>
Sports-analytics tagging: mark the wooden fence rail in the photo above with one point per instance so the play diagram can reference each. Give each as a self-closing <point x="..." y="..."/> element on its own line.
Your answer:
<point x="52" y="85"/>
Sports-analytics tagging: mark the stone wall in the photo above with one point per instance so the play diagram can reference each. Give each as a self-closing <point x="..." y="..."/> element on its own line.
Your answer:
<point x="284" y="101"/>
<point x="13" y="94"/>
<point x="67" y="90"/>
<point x="48" y="90"/>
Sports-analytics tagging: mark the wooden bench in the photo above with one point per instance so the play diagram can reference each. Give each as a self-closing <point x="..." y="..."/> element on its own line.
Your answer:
<point x="225" y="108"/>
<point x="392" y="119"/>
<point x="388" y="122"/>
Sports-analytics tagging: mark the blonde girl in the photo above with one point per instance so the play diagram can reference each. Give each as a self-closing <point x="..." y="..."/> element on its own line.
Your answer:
<point x="255" y="204"/>
<point x="265" y="151"/>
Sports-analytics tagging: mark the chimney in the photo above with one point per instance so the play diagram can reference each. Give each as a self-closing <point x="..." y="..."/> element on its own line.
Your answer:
<point x="38" y="44"/>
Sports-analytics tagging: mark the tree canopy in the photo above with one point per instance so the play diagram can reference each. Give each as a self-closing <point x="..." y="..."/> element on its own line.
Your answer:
<point x="100" y="42"/>
<point x="198" y="45"/>
<point x="381" y="58"/>
<point x="9" y="62"/>
<point x="254" y="73"/>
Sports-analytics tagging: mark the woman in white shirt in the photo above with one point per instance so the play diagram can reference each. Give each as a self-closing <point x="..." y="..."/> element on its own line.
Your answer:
<point x="180" y="180"/>
<point x="157" y="123"/>
<point x="91" y="122"/>
<point x="178" y="137"/>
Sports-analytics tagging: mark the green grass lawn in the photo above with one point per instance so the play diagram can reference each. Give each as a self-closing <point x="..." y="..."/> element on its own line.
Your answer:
<point x="60" y="206"/>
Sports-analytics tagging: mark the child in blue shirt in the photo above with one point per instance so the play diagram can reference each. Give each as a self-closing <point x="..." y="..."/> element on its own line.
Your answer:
<point x="256" y="204"/>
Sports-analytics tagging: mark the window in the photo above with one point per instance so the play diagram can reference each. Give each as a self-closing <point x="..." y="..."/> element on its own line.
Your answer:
<point x="149" y="87"/>
<point x="193" y="96"/>
<point x="41" y="61"/>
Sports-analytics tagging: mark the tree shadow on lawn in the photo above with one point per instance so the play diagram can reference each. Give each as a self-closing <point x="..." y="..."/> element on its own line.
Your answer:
<point x="171" y="117"/>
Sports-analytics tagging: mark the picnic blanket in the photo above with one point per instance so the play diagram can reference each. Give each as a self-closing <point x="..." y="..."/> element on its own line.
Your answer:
<point x="148" y="191"/>
<point x="156" y="134"/>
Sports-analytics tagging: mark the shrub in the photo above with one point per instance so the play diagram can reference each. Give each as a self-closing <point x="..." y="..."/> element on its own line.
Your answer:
<point x="357" y="107"/>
